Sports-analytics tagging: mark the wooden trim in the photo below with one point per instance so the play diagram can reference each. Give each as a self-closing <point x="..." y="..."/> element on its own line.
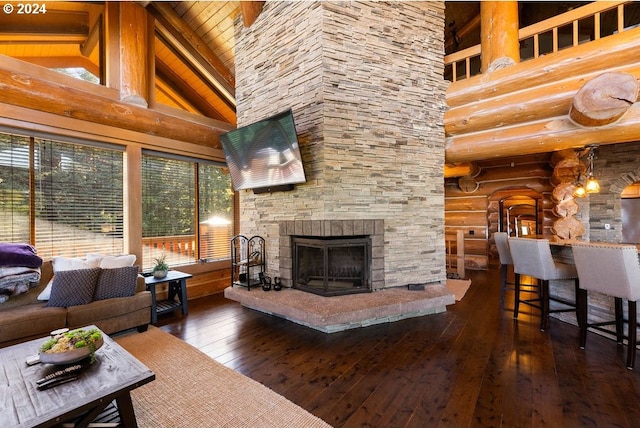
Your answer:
<point x="133" y="200"/>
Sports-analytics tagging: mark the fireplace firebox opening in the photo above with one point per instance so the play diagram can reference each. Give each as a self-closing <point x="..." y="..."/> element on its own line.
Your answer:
<point x="332" y="266"/>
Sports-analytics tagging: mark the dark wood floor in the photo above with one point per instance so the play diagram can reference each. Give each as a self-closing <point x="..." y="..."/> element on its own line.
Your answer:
<point x="471" y="366"/>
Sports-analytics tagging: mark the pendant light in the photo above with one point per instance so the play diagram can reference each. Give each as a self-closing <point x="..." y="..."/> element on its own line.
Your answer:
<point x="591" y="185"/>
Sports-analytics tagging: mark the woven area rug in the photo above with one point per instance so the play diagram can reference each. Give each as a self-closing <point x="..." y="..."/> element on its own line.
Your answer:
<point x="192" y="390"/>
<point x="458" y="287"/>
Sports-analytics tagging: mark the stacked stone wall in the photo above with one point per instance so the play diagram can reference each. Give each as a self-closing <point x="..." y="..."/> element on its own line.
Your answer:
<point x="365" y="84"/>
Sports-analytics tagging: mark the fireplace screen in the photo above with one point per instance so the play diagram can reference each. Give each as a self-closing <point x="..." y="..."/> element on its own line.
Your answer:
<point x="332" y="266"/>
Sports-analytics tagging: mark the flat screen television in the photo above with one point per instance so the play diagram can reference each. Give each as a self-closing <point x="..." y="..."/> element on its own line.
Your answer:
<point x="265" y="155"/>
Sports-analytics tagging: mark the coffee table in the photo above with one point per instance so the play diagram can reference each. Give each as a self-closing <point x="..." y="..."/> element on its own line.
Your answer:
<point x="111" y="377"/>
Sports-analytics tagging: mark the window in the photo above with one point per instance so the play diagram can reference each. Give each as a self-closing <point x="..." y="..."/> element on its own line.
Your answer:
<point x="216" y="212"/>
<point x="169" y="215"/>
<point x="75" y="201"/>
<point x="67" y="199"/>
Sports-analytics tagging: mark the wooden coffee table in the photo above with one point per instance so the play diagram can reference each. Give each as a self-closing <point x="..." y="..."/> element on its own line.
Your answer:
<point x="111" y="377"/>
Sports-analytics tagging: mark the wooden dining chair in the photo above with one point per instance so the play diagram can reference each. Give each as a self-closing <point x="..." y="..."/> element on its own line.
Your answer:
<point x="502" y="244"/>
<point x="612" y="270"/>
<point x="532" y="257"/>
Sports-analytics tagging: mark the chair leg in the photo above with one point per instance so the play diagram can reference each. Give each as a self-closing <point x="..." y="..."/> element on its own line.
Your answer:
<point x="516" y="305"/>
<point x="576" y="285"/>
<point x="504" y="282"/>
<point x="619" y="320"/>
<point x="582" y="299"/>
<point x="544" y="305"/>
<point x="633" y="325"/>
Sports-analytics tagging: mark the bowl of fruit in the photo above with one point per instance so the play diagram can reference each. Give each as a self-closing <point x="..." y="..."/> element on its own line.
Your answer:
<point x="68" y="347"/>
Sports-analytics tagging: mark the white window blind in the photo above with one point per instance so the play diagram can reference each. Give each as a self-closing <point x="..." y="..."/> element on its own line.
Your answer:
<point x="168" y="210"/>
<point x="14" y="188"/>
<point x="216" y="212"/>
<point x="78" y="199"/>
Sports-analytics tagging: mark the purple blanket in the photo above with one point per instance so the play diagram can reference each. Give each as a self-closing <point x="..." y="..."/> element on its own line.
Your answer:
<point x="19" y="255"/>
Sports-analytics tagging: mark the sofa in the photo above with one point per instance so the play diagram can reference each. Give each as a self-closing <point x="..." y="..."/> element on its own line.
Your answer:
<point x="24" y="317"/>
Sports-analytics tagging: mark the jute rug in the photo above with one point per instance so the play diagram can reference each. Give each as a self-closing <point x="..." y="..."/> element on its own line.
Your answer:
<point x="192" y="390"/>
<point x="458" y="287"/>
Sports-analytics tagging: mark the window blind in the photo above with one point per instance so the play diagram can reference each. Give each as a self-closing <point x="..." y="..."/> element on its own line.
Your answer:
<point x="78" y="199"/>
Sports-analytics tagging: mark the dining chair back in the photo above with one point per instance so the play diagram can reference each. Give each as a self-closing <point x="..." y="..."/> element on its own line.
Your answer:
<point x="504" y="253"/>
<point x="612" y="270"/>
<point x="533" y="257"/>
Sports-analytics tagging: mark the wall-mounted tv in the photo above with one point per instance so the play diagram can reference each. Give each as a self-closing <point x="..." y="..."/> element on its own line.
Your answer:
<point x="265" y="155"/>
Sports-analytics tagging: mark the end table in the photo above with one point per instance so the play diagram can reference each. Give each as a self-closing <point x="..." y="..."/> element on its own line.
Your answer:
<point x="177" y="287"/>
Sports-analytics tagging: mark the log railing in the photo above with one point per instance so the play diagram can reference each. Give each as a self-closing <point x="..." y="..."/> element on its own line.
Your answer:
<point x="548" y="36"/>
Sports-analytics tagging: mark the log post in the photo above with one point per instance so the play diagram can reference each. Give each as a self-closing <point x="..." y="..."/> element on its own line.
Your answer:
<point x="498" y="32"/>
<point x="134" y="60"/>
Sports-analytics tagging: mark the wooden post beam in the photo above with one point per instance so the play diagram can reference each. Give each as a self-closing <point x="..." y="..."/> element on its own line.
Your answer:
<point x="498" y="32"/>
<point x="134" y="64"/>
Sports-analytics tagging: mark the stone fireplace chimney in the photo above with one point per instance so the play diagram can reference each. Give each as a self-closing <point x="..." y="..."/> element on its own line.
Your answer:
<point x="365" y="84"/>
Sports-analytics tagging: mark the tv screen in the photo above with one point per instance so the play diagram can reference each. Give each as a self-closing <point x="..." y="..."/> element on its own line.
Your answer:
<point x="264" y="154"/>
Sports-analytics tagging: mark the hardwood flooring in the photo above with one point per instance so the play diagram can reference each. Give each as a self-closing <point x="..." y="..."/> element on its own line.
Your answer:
<point x="472" y="366"/>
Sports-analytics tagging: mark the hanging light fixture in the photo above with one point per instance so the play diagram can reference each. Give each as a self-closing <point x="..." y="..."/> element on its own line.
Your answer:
<point x="580" y="191"/>
<point x="591" y="185"/>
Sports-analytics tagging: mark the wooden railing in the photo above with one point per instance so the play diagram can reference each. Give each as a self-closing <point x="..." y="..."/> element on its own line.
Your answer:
<point x="548" y="36"/>
<point x="179" y="249"/>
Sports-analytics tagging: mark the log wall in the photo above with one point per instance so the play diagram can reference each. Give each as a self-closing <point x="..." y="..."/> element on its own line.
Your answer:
<point x="476" y="213"/>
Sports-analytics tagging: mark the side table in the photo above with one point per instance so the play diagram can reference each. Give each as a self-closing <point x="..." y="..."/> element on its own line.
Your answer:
<point x="177" y="287"/>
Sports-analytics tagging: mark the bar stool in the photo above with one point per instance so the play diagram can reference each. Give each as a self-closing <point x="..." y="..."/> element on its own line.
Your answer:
<point x="613" y="270"/>
<point x="532" y="257"/>
<point x="502" y="244"/>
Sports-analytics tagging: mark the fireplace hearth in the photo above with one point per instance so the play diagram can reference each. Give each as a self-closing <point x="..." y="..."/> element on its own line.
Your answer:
<point x="330" y="266"/>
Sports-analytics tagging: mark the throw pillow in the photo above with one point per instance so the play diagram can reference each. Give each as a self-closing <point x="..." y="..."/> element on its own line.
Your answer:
<point x="73" y="287"/>
<point x="112" y="262"/>
<point x="67" y="263"/>
<point x="46" y="293"/>
<point x="118" y="282"/>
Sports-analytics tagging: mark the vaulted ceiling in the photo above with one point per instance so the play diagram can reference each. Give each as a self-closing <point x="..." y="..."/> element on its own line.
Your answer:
<point x="194" y="43"/>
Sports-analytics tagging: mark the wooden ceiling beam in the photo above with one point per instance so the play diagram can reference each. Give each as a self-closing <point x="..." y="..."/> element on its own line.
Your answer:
<point x="53" y="22"/>
<point x="193" y="49"/>
<point x="541" y="136"/>
<point x="34" y="88"/>
<point x="92" y="39"/>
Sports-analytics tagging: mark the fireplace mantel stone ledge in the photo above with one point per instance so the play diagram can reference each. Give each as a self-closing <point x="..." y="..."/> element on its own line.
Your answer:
<point x="374" y="228"/>
<point x="333" y="314"/>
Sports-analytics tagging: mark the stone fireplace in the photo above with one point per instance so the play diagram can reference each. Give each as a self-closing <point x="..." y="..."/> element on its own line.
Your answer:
<point x="364" y="81"/>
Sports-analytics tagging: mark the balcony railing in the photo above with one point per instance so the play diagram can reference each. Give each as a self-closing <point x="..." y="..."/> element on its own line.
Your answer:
<point x="582" y="25"/>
